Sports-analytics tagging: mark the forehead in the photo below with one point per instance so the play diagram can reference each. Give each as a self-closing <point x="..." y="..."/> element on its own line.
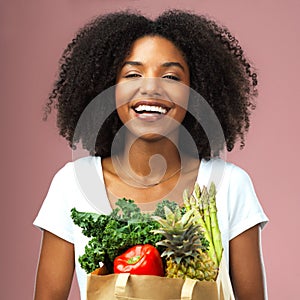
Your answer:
<point x="156" y="48"/>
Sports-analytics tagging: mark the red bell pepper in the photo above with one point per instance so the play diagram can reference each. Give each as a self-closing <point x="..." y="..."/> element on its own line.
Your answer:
<point x="140" y="260"/>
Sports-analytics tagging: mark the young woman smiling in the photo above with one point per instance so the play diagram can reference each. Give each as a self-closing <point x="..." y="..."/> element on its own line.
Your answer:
<point x="154" y="68"/>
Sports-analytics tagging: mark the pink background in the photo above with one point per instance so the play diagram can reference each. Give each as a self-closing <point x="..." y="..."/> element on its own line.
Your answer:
<point x="33" y="36"/>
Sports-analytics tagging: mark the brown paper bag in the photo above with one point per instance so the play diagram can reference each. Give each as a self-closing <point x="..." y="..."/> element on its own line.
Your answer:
<point x="145" y="287"/>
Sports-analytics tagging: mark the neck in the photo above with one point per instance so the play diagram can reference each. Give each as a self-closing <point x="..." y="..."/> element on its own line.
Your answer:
<point x="150" y="161"/>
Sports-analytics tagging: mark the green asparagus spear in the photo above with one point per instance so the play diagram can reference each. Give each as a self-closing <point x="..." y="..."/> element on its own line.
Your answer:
<point x="216" y="234"/>
<point x="204" y="199"/>
<point x="197" y="191"/>
<point x="193" y="203"/>
<point x="186" y="200"/>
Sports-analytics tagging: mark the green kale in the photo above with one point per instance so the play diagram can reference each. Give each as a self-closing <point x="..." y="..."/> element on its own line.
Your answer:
<point x="94" y="254"/>
<point x="91" y="223"/>
<point x="160" y="212"/>
<point x="113" y="234"/>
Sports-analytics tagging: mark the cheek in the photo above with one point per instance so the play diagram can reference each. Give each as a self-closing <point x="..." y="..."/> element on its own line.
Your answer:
<point x="125" y="92"/>
<point x="178" y="93"/>
<point x="122" y="96"/>
<point x="180" y="114"/>
<point x="180" y="97"/>
<point x="122" y="112"/>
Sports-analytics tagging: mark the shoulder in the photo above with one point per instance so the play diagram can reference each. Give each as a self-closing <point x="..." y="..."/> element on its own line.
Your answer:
<point x="71" y="168"/>
<point x="222" y="173"/>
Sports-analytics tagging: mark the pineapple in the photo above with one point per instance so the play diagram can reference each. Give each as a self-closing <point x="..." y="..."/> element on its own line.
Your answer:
<point x="185" y="254"/>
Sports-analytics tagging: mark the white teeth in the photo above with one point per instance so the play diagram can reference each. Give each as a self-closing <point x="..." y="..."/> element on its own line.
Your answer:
<point x="150" y="108"/>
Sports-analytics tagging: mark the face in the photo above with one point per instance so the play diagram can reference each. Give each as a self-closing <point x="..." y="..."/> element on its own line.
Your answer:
<point x="153" y="87"/>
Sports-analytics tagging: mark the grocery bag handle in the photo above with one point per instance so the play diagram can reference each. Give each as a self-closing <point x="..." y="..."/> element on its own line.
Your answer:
<point x="187" y="289"/>
<point x="121" y="284"/>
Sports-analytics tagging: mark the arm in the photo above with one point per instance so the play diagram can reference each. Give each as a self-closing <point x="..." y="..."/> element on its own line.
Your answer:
<point x="55" y="268"/>
<point x="246" y="267"/>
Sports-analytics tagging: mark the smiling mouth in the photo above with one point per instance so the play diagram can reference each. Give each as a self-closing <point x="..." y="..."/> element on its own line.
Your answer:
<point x="151" y="108"/>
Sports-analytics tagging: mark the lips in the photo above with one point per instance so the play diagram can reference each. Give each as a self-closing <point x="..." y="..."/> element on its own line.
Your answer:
<point x="150" y="111"/>
<point x="150" y="107"/>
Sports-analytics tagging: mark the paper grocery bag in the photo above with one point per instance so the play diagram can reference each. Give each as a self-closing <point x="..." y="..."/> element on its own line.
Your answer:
<point x="223" y="281"/>
<point x="142" y="287"/>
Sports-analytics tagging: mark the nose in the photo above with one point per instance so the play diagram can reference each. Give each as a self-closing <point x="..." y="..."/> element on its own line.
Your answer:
<point x="151" y="86"/>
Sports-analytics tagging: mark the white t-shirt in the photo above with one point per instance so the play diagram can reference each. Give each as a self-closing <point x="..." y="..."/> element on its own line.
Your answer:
<point x="80" y="184"/>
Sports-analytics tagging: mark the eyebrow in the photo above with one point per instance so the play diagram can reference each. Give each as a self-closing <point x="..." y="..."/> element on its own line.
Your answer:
<point x="173" y="64"/>
<point x="165" y="65"/>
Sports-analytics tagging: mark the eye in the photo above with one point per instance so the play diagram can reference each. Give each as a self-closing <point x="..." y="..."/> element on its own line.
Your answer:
<point x="132" y="75"/>
<point x="172" y="77"/>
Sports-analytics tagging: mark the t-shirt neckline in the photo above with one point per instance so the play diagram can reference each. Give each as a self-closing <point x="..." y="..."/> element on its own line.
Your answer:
<point x="99" y="169"/>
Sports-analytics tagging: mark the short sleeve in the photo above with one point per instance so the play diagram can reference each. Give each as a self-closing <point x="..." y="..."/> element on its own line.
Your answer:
<point x="245" y="210"/>
<point x="54" y="215"/>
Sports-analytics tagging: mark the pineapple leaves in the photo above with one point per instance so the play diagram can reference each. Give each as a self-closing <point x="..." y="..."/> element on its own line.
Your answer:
<point x="188" y="237"/>
<point x="187" y="217"/>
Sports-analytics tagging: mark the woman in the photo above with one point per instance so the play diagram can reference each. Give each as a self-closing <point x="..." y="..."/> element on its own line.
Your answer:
<point x="155" y="71"/>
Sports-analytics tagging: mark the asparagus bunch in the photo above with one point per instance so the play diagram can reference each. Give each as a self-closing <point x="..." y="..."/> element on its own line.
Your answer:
<point x="203" y="203"/>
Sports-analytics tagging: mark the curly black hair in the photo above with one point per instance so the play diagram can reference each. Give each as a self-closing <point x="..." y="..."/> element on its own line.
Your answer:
<point x="219" y="72"/>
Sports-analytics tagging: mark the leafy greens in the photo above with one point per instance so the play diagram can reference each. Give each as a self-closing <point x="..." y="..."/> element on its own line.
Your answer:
<point x="113" y="234"/>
